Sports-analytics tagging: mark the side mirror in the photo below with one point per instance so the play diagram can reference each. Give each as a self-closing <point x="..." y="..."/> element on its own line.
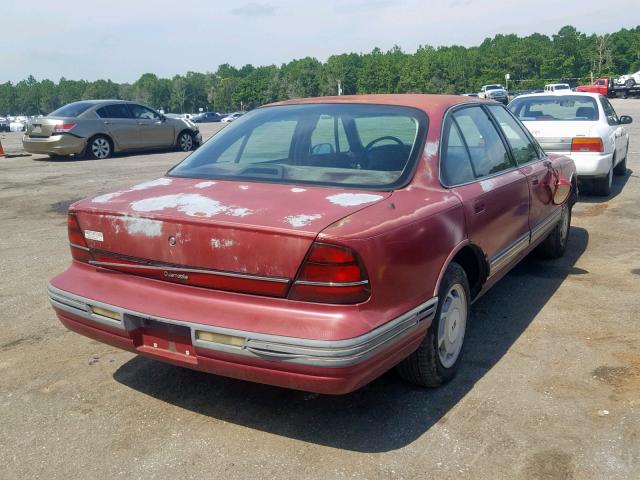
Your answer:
<point x="625" y="119"/>
<point x="561" y="191"/>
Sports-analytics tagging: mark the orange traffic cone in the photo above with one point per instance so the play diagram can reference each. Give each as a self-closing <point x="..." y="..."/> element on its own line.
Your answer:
<point x="1" y="150"/>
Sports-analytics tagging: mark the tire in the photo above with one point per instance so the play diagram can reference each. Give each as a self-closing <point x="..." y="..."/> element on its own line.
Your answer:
<point x="435" y="362"/>
<point x="99" y="148"/>
<point x="185" y="142"/>
<point x="602" y="186"/>
<point x="555" y="244"/>
<point x="621" y="168"/>
<point x="630" y="83"/>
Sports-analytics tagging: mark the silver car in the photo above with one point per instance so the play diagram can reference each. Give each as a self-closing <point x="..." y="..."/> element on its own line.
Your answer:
<point x="98" y="128"/>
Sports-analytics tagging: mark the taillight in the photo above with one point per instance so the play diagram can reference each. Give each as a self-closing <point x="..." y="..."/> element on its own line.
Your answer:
<point x="331" y="274"/>
<point x="63" y="127"/>
<point x="79" y="247"/>
<point x="587" y="144"/>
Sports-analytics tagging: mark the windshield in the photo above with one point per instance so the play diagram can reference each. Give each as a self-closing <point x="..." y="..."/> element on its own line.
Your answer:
<point x="560" y="108"/>
<point x="493" y="87"/>
<point x="72" y="109"/>
<point x="366" y="146"/>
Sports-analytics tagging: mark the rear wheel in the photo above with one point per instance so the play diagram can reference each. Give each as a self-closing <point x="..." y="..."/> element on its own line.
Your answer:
<point x="437" y="358"/>
<point x="602" y="186"/>
<point x="185" y="142"/>
<point x="99" y="147"/>
<point x="630" y="83"/>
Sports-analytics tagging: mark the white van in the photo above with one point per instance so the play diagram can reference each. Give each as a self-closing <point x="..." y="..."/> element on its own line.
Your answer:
<point x="556" y="87"/>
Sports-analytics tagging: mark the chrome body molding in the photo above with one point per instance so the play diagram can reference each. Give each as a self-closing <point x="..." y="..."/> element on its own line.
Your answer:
<point x="301" y="351"/>
<point x="221" y="273"/>
<point x="546" y="225"/>
<point x="502" y="259"/>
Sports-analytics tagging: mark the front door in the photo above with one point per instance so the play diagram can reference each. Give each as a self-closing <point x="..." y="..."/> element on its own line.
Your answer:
<point x="153" y="131"/>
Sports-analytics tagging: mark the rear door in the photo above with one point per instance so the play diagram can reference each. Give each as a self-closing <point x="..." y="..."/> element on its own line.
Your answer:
<point x="118" y="122"/>
<point x="478" y="167"/>
<point x="535" y="165"/>
<point x="153" y="130"/>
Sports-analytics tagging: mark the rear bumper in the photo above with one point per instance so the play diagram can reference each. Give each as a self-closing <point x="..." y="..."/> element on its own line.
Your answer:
<point x="590" y="164"/>
<point x="55" y="144"/>
<point x="324" y="366"/>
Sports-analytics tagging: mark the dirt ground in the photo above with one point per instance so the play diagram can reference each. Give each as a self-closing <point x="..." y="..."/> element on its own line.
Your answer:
<point x="549" y="388"/>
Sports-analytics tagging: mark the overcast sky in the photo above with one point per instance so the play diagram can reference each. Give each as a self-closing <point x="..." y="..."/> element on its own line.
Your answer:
<point x="121" y="39"/>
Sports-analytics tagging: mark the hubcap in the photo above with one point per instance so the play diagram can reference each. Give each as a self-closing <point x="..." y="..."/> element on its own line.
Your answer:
<point x="186" y="142"/>
<point x="452" y="325"/>
<point x="100" y="148"/>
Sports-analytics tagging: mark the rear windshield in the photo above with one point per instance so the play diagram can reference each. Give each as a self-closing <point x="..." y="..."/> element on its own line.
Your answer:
<point x="561" y="108"/>
<point x="366" y="146"/>
<point x="72" y="109"/>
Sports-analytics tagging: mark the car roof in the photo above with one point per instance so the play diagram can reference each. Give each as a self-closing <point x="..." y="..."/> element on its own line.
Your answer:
<point x="561" y="93"/>
<point x="427" y="102"/>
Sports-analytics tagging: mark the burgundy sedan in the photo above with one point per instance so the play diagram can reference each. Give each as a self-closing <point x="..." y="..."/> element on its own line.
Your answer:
<point x="315" y="244"/>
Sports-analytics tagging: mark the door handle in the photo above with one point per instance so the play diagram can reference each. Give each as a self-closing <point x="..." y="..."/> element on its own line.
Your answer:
<point x="107" y="123"/>
<point x="478" y="206"/>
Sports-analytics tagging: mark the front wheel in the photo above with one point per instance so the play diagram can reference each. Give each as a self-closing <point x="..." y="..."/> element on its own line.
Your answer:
<point x="436" y="360"/>
<point x="185" y="142"/>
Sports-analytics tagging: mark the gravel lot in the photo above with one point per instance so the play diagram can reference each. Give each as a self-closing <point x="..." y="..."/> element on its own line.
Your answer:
<point x="549" y="389"/>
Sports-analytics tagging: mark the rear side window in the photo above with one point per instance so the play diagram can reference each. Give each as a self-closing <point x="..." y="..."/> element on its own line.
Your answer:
<point x="72" y="109"/>
<point x="456" y="163"/>
<point x="118" y="110"/>
<point x="610" y="113"/>
<point x="555" y="108"/>
<point x="523" y="149"/>
<point x="486" y="150"/>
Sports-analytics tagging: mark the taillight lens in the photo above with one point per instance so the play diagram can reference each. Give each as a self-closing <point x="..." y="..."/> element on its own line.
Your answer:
<point x="63" y="127"/>
<point x="79" y="247"/>
<point x="331" y="274"/>
<point x="587" y="144"/>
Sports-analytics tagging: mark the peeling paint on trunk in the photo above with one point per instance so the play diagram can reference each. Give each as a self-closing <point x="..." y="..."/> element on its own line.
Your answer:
<point x="353" y="199"/>
<point x="192" y="204"/>
<point x="298" y="190"/>
<point x="302" y="220"/>
<point x="107" y="197"/>
<point x="143" y="226"/>
<point x="204" y="184"/>
<point x="151" y="183"/>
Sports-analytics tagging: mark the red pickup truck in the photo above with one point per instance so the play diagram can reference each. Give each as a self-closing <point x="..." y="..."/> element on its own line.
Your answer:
<point x="603" y="86"/>
<point x="608" y="88"/>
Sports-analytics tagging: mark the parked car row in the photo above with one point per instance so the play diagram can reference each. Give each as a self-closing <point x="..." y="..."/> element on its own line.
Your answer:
<point x="315" y="245"/>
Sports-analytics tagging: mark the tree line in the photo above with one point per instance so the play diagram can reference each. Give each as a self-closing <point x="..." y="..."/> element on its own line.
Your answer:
<point x="531" y="61"/>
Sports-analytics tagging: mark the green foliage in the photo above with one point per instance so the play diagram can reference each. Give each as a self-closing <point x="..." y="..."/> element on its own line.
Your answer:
<point x="531" y="61"/>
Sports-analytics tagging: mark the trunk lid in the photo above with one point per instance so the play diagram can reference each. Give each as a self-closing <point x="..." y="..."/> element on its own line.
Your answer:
<point x="43" y="127"/>
<point x="249" y="228"/>
<point x="556" y="136"/>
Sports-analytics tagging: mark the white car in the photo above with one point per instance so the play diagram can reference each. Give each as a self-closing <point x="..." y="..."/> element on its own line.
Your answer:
<point x="232" y="117"/>
<point x="629" y="80"/>
<point x="583" y="126"/>
<point x="556" y="87"/>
